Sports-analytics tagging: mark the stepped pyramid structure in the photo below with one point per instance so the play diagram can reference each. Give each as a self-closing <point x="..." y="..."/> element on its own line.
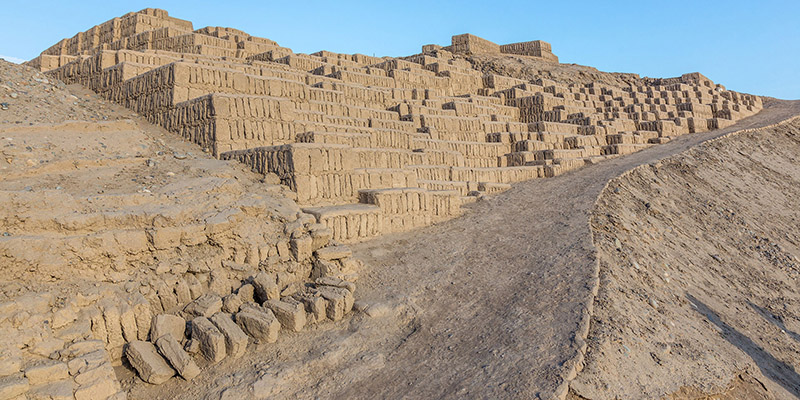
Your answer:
<point x="375" y="145"/>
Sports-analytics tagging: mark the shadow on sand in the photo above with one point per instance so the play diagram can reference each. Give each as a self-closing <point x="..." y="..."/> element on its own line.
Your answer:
<point x="776" y="370"/>
<point x="775" y="320"/>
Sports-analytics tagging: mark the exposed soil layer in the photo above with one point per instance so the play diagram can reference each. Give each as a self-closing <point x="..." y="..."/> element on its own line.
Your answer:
<point x="31" y="97"/>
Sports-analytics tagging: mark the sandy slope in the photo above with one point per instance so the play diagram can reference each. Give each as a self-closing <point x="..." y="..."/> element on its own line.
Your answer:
<point x="699" y="273"/>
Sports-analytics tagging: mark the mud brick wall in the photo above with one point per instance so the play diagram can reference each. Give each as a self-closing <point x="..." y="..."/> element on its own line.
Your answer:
<point x="467" y="43"/>
<point x="407" y="208"/>
<point x="427" y="117"/>
<point x="534" y="48"/>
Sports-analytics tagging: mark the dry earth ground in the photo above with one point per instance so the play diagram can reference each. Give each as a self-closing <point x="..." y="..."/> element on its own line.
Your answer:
<point x="699" y="268"/>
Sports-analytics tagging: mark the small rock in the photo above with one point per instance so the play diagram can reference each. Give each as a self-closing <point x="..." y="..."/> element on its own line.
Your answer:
<point x="152" y="368"/>
<point x="47" y="371"/>
<point x="204" y="306"/>
<point x="168" y="324"/>
<point x="177" y="357"/>
<point x="340" y="301"/>
<point x="266" y="287"/>
<point x="334" y="252"/>
<point x="235" y="338"/>
<point x="212" y="341"/>
<point x="291" y="316"/>
<point x="259" y="324"/>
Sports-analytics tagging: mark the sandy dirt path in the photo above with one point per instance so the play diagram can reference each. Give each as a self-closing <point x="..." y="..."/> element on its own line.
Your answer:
<point x="501" y="292"/>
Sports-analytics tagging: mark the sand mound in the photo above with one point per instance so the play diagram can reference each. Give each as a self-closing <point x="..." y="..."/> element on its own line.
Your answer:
<point x="698" y="274"/>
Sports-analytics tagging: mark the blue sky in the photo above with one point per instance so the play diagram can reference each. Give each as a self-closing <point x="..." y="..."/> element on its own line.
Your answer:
<point x="748" y="46"/>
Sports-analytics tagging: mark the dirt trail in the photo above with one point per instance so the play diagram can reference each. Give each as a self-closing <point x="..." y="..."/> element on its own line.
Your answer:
<point x="502" y="291"/>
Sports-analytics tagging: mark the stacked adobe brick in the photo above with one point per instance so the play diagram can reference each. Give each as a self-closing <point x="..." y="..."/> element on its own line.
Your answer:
<point x="428" y="122"/>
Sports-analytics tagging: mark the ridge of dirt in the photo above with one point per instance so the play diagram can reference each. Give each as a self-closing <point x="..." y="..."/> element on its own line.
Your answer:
<point x="29" y="97"/>
<point x="528" y="68"/>
<point x="653" y="226"/>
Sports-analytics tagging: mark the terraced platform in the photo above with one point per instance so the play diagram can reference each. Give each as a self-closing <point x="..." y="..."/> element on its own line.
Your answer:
<point x="375" y="145"/>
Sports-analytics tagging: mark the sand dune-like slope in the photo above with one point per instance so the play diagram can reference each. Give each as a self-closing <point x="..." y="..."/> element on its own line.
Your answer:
<point x="699" y="274"/>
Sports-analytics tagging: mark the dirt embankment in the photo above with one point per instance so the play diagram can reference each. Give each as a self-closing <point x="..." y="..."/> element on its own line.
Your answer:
<point x="29" y="97"/>
<point x="528" y="68"/>
<point x="699" y="274"/>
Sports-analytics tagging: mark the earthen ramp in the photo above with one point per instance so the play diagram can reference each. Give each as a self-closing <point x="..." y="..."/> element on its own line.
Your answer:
<point x="223" y="259"/>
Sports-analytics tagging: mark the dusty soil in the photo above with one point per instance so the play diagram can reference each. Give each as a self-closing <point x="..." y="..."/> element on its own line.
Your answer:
<point x="527" y="68"/>
<point x="488" y="305"/>
<point x="699" y="272"/>
<point x="29" y="97"/>
<point x="82" y="176"/>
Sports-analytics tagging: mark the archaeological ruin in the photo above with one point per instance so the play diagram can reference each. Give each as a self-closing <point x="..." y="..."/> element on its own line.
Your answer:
<point x="375" y="145"/>
<point x="365" y="145"/>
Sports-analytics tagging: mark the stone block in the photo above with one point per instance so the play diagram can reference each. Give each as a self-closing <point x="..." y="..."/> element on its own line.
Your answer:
<point x="178" y="358"/>
<point x="46" y="372"/>
<point x="10" y="361"/>
<point x="315" y="307"/>
<point x="211" y="340"/>
<point x="246" y="293"/>
<point x="261" y="325"/>
<point x="127" y="319"/>
<point x="336" y="282"/>
<point x="290" y="316"/>
<point x="231" y="303"/>
<point x="266" y="287"/>
<point x="334" y="253"/>
<point x="235" y="338"/>
<point x="99" y="389"/>
<point x="321" y="235"/>
<point x="111" y="316"/>
<point x="168" y="324"/>
<point x="340" y="301"/>
<point x="323" y="268"/>
<point x="61" y="390"/>
<point x="102" y="371"/>
<point x="144" y="358"/>
<point x="204" y="306"/>
<point x="143" y="315"/>
<point x="301" y="247"/>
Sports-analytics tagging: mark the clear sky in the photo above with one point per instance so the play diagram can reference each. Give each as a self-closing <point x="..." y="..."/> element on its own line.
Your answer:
<point x="749" y="46"/>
